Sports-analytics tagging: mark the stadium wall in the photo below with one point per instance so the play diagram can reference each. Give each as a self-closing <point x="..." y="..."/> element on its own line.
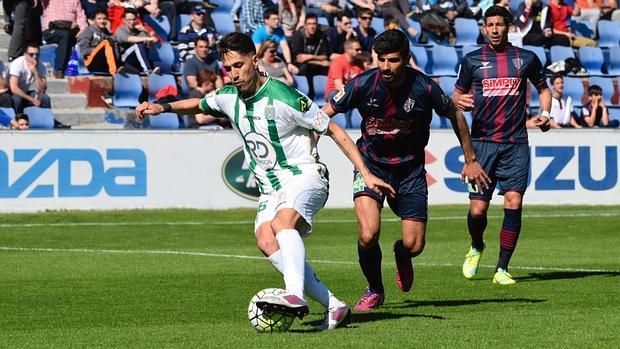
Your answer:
<point x="42" y="170"/>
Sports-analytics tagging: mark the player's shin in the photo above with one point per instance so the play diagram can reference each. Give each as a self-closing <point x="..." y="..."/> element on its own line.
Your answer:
<point x="293" y="257"/>
<point x="476" y="227"/>
<point x="508" y="236"/>
<point x="370" y="262"/>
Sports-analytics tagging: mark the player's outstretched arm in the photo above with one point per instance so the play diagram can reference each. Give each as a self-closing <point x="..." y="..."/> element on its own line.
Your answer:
<point x="186" y="106"/>
<point x="472" y="171"/>
<point x="345" y="143"/>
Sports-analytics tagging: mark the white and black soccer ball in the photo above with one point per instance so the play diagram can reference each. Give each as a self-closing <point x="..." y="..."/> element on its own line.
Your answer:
<point x="268" y="322"/>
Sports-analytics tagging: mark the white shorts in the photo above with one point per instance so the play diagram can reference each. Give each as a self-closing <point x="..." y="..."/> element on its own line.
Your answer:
<point x="305" y="193"/>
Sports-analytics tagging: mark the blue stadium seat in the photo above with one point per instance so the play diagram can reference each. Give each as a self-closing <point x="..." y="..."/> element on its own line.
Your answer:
<point x="127" y="90"/>
<point x="418" y="28"/>
<point x="223" y="22"/>
<point x="468" y="117"/>
<point x="445" y="60"/>
<point x="438" y="121"/>
<point x="341" y="120"/>
<point x="467" y="31"/>
<point x="160" y="24"/>
<point x="377" y="25"/>
<point x="222" y="5"/>
<point x="162" y="56"/>
<point x="6" y="115"/>
<point x="559" y="53"/>
<point x="40" y="118"/>
<point x="539" y="51"/>
<point x="320" y="83"/>
<point x="614" y="61"/>
<point x="322" y="21"/>
<point x="301" y="83"/>
<point x="182" y="21"/>
<point x="614" y="113"/>
<point x="582" y="28"/>
<point x="47" y="54"/>
<point x="157" y="82"/>
<point x="420" y="55"/>
<point x="609" y="33"/>
<point x="592" y="59"/>
<point x="573" y="87"/>
<point x="447" y="84"/>
<point x="356" y="119"/>
<point x="166" y="121"/>
<point x="467" y="49"/>
<point x="606" y="84"/>
<point x="534" y="98"/>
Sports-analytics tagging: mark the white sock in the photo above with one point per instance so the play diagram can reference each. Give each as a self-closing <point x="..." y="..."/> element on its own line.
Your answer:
<point x="293" y="258"/>
<point x="313" y="287"/>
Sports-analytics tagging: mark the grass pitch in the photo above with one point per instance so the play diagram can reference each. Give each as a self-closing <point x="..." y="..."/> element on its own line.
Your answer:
<point x="183" y="278"/>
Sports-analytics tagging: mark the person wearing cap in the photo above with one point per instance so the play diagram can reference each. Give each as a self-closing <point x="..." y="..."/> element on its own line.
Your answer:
<point x="200" y="26"/>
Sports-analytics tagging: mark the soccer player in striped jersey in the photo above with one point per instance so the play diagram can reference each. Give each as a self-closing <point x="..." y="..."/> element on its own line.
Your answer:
<point x="492" y="81"/>
<point x="396" y="104"/>
<point x="278" y="127"/>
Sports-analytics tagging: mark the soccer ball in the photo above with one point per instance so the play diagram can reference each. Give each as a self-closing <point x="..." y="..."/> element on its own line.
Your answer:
<point x="268" y="322"/>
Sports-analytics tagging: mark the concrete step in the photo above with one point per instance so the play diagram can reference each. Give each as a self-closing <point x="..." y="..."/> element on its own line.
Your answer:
<point x="4" y="55"/>
<point x="80" y="117"/>
<point x="57" y="85"/>
<point x="68" y="101"/>
<point x="99" y="126"/>
<point x="4" y="38"/>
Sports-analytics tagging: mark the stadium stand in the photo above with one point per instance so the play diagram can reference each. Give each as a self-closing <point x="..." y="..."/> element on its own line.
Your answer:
<point x="166" y="121"/>
<point x="582" y="28"/>
<point x="445" y="60"/>
<point x="162" y="56"/>
<point x="356" y="119"/>
<point x="606" y="84"/>
<point x="558" y="53"/>
<point x="467" y="31"/>
<point x="573" y="87"/>
<point x="609" y="33"/>
<point x="223" y="22"/>
<point x="156" y="82"/>
<point x="614" y="61"/>
<point x="127" y="90"/>
<point x="539" y="51"/>
<point x="420" y="55"/>
<point x="40" y="118"/>
<point x="160" y="24"/>
<point x="301" y="83"/>
<point x="319" y="82"/>
<point x="592" y="59"/>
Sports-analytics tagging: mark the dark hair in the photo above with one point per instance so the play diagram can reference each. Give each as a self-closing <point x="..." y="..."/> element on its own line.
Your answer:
<point x="309" y="16"/>
<point x="390" y="41"/>
<point x="595" y="89"/>
<point x="389" y="19"/>
<point x="129" y="10"/>
<point x="101" y="11"/>
<point x="350" y="41"/>
<point x="269" y="12"/>
<point x="342" y="15"/>
<point x="204" y="76"/>
<point x="498" y="11"/>
<point x="364" y="11"/>
<point x="201" y="38"/>
<point x="33" y="44"/>
<point x="236" y="42"/>
<point x="556" y="76"/>
<point x="365" y="57"/>
<point x="22" y="116"/>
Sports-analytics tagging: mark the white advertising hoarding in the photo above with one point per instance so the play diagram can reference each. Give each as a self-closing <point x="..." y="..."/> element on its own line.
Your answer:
<point x="201" y="169"/>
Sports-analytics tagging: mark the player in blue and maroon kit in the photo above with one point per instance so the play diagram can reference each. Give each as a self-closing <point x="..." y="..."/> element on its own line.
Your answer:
<point x="492" y="80"/>
<point x="396" y="104"/>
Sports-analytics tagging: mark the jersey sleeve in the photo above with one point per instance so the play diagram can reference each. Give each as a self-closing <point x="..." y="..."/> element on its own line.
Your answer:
<point x="209" y="105"/>
<point x="441" y="102"/>
<point x="536" y="73"/>
<point x="346" y="98"/>
<point x="465" y="74"/>
<point x="308" y="115"/>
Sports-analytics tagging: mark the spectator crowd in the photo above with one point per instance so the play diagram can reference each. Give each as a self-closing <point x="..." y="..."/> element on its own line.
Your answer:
<point x="296" y="41"/>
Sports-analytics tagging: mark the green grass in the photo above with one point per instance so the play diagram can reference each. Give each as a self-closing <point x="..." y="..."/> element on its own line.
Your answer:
<point x="67" y="283"/>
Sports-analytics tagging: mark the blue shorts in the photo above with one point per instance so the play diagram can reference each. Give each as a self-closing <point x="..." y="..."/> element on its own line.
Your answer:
<point x="507" y="165"/>
<point x="409" y="182"/>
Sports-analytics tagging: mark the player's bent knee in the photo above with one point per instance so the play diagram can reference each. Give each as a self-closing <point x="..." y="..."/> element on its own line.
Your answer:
<point x="368" y="239"/>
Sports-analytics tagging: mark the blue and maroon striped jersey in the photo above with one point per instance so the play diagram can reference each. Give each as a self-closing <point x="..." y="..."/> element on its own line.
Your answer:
<point x="395" y="122"/>
<point x="498" y="81"/>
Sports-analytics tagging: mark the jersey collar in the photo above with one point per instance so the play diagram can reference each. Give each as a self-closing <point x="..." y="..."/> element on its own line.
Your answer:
<point x="258" y="93"/>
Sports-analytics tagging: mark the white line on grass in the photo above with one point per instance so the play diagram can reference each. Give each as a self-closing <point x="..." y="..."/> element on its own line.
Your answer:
<point x="217" y="255"/>
<point x="319" y="221"/>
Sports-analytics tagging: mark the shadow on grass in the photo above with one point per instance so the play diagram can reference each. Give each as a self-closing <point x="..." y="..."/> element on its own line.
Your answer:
<point x="561" y="275"/>
<point x="460" y="303"/>
<point x="358" y="318"/>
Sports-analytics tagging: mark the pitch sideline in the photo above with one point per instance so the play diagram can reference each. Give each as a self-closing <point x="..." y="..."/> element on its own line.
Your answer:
<point x="217" y="255"/>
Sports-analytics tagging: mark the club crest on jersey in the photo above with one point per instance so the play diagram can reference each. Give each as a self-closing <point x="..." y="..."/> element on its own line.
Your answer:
<point x="339" y="95"/>
<point x="372" y="102"/>
<point x="486" y="65"/>
<point x="517" y="62"/>
<point x="304" y="104"/>
<point x="270" y="112"/>
<point x="409" y="103"/>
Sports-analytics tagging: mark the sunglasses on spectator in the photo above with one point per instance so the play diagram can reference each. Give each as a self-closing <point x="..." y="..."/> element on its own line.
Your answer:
<point x="366" y="18"/>
<point x="272" y="50"/>
<point x="33" y="54"/>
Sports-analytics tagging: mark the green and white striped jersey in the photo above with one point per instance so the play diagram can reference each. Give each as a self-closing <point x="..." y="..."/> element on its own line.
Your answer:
<point x="276" y="126"/>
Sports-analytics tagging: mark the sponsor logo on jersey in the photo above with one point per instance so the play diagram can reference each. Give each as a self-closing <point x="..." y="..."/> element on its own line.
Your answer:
<point x="409" y="103"/>
<point x="486" y="65"/>
<point x="376" y="126"/>
<point x="517" y="62"/>
<point x="500" y="87"/>
<point x="238" y="177"/>
<point x="304" y="104"/>
<point x="261" y="150"/>
<point x="339" y="95"/>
